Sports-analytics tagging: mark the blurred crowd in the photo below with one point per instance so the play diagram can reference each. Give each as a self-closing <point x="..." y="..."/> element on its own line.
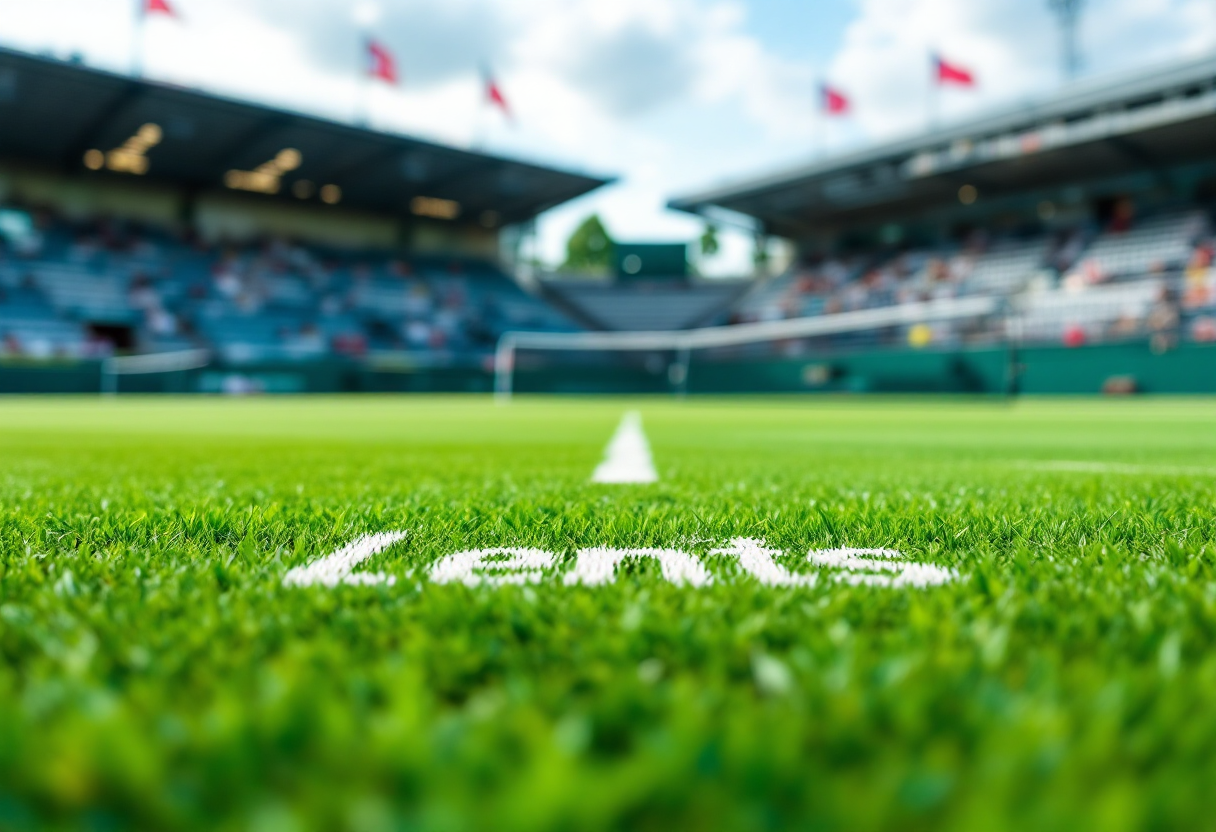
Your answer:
<point x="1124" y="279"/>
<point x="90" y="288"/>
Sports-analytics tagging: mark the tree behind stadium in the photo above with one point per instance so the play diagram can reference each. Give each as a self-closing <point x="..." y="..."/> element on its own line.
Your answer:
<point x="589" y="248"/>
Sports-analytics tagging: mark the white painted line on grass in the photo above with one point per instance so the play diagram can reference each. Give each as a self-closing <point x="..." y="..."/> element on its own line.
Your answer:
<point x="627" y="458"/>
<point x="1088" y="467"/>
<point x="337" y="568"/>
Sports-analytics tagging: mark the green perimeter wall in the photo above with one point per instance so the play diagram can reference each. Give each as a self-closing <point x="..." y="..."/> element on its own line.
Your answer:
<point x="1189" y="368"/>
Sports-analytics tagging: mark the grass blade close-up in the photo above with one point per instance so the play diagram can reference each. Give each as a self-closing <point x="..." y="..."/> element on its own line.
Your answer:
<point x="639" y="659"/>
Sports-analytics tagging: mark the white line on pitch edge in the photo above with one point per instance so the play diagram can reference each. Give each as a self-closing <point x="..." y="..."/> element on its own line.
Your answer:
<point x="627" y="457"/>
<point x="1087" y="467"/>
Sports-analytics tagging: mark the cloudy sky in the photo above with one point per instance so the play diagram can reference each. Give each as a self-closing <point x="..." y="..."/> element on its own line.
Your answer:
<point x="670" y="95"/>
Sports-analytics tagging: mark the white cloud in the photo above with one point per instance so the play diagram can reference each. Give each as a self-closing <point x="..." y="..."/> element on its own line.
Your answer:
<point x="1011" y="45"/>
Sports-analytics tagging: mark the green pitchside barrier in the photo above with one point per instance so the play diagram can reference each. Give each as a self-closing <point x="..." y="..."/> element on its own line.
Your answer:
<point x="1186" y="369"/>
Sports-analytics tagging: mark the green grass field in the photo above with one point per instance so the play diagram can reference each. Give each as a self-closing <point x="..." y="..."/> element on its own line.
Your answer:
<point x="156" y="673"/>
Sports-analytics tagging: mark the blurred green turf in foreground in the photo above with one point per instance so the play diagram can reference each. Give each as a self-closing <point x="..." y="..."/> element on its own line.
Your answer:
<point x="154" y="673"/>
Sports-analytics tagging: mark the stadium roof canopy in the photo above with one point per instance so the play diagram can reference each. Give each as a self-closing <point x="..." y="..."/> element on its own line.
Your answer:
<point x="54" y="113"/>
<point x="1152" y="121"/>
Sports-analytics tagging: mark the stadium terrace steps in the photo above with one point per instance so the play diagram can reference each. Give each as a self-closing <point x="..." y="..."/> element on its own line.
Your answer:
<point x="1004" y="267"/>
<point x="1046" y="315"/>
<point x="648" y="307"/>
<point x="1156" y="244"/>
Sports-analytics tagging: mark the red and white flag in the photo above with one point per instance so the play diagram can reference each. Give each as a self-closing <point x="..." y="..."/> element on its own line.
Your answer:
<point x="945" y="72"/>
<point x="832" y="101"/>
<point x="151" y="7"/>
<point x="380" y="62"/>
<point x="494" y="96"/>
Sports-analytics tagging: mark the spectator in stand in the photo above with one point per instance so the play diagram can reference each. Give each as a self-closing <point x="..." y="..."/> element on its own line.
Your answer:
<point x="309" y="339"/>
<point x="1163" y="320"/>
<point x="1122" y="216"/>
<point x="227" y="281"/>
<point x="350" y="344"/>
<point x="141" y="294"/>
<point x="1075" y="335"/>
<point x="1127" y="326"/>
<point x="417" y="334"/>
<point x="1203" y="329"/>
<point x="1067" y="250"/>
<point x="1199" y="277"/>
<point x="161" y="322"/>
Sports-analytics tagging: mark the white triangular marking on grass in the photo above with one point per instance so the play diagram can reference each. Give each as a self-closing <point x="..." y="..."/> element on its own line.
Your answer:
<point x="627" y="457"/>
<point x="337" y="567"/>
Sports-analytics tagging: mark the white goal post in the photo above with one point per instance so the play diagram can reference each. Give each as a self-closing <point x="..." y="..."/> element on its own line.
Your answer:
<point x="684" y="341"/>
<point x="156" y="362"/>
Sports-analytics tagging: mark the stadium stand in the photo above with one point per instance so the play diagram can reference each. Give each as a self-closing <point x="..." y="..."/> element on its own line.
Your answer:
<point x="1089" y="215"/>
<point x="133" y="287"/>
<point x="1003" y="268"/>
<point x="1085" y="227"/>
<point x="1062" y="289"/>
<point x="1159" y="244"/>
<point x="352" y="243"/>
<point x="1094" y="313"/>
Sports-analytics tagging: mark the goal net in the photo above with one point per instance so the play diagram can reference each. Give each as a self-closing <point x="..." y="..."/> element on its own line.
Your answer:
<point x="672" y="361"/>
<point x="178" y="361"/>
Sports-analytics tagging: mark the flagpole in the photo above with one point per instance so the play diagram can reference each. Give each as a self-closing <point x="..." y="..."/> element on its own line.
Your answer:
<point x="362" y="79"/>
<point x="934" y="90"/>
<point x="137" y="39"/>
<point x="480" y="123"/>
<point x="366" y="13"/>
<point x="820" y="123"/>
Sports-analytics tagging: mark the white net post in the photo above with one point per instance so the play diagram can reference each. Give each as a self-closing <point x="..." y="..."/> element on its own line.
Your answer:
<point x="504" y="368"/>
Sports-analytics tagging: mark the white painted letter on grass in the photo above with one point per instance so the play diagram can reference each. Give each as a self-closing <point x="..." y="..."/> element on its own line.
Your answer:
<point x="338" y="567"/>
<point x="595" y="567"/>
<point x="627" y="457"/>
<point x="520" y="566"/>
<point x="857" y="567"/>
<point x="757" y="561"/>
<point x="874" y="567"/>
<point x="598" y="566"/>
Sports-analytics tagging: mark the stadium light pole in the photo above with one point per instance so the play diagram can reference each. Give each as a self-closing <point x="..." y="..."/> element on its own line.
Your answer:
<point x="1067" y="12"/>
